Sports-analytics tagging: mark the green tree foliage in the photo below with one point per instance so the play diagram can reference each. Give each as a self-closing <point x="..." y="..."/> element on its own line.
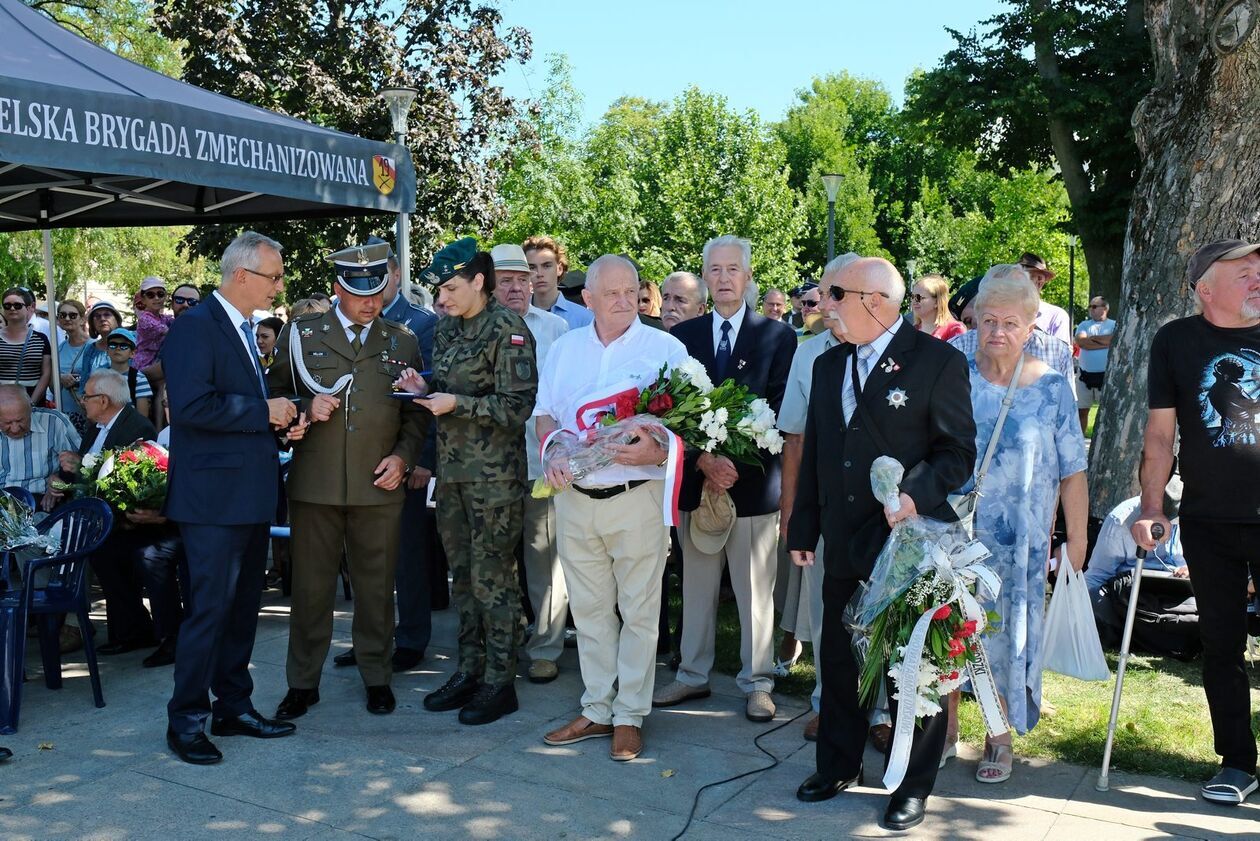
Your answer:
<point x="326" y="61"/>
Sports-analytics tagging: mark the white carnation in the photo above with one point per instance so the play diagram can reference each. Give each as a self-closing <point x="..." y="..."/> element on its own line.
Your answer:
<point x="695" y="374"/>
<point x="90" y="460"/>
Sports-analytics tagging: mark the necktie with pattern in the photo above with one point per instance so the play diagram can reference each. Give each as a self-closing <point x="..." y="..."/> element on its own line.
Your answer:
<point x="253" y="354"/>
<point x="723" y="356"/>
<point x="861" y="367"/>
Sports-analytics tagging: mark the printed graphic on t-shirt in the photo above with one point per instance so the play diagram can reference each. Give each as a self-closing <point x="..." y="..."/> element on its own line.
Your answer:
<point x="1230" y="399"/>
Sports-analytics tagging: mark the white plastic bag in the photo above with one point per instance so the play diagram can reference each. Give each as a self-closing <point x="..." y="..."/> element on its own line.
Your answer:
<point x="1071" y="646"/>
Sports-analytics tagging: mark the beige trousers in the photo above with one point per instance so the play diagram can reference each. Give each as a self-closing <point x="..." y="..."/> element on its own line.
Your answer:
<point x="548" y="594"/>
<point x="613" y="554"/>
<point x="751" y="553"/>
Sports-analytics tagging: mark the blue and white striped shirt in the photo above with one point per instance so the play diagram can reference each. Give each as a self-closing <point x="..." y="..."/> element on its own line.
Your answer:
<point x="29" y="461"/>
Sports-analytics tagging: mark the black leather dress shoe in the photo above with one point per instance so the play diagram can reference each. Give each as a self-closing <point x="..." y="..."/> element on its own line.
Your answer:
<point x="346" y="658"/>
<point x="817" y="787"/>
<point x="380" y="700"/>
<point x="456" y="692"/>
<point x="904" y="813"/>
<point x="195" y="748"/>
<point x="252" y="724"/>
<point x="491" y="703"/>
<point x="163" y="656"/>
<point x="125" y="646"/>
<point x="5" y="753"/>
<point x="406" y="659"/>
<point x="296" y="702"/>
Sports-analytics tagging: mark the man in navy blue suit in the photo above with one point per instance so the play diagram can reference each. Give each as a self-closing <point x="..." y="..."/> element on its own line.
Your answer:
<point x="732" y="342"/>
<point x="222" y="494"/>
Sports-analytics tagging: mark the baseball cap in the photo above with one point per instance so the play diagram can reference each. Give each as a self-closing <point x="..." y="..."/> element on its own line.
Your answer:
<point x="1222" y="249"/>
<point x="124" y="333"/>
<point x="152" y="282"/>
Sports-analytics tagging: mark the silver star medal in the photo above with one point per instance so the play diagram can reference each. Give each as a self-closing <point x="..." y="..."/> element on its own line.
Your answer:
<point x="897" y="398"/>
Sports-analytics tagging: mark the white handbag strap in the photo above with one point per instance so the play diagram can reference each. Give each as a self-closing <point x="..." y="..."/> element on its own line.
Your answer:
<point x="997" y="428"/>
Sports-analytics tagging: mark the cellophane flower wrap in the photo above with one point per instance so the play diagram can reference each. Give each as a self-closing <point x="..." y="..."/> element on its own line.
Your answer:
<point x="17" y="528"/>
<point x="725" y="420"/>
<point x="128" y="478"/>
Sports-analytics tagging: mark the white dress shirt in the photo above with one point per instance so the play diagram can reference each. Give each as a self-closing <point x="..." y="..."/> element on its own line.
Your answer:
<point x="236" y="317"/>
<point x="352" y="329"/>
<point x="879" y="346"/>
<point x="736" y="320"/>
<point x="103" y="432"/>
<point x="546" y="328"/>
<point x="580" y="365"/>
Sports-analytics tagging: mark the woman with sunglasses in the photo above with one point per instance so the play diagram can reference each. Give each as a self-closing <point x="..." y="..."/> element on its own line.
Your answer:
<point x="71" y="318"/>
<point x="25" y="354"/>
<point x="929" y="302"/>
<point x="102" y="319"/>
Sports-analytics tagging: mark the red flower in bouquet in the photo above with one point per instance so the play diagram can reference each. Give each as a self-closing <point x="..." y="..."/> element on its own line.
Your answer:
<point x="942" y="612"/>
<point x="131" y="478"/>
<point x="129" y="457"/>
<point x="967" y="629"/>
<point x="660" y="404"/>
<point x="626" y="405"/>
<point x="957" y="647"/>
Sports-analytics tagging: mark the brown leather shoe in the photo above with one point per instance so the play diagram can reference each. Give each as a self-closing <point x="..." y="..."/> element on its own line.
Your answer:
<point x="627" y="743"/>
<point x="881" y="734"/>
<point x="577" y="730"/>
<point x="811" y="730"/>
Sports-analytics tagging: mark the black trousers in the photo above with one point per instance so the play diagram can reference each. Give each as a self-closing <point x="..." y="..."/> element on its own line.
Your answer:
<point x="413" y="575"/>
<point x="1219" y="556"/>
<point x="842" y="728"/>
<point x="224" y="567"/>
<point x="135" y="560"/>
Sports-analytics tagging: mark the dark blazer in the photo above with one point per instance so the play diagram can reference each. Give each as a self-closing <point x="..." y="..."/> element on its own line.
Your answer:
<point x="131" y="426"/>
<point x="760" y="360"/>
<point x="223" y="463"/>
<point x="932" y="434"/>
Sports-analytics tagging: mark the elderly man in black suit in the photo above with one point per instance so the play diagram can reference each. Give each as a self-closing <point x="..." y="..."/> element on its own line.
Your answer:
<point x="891" y="390"/>
<point x="732" y="342"/>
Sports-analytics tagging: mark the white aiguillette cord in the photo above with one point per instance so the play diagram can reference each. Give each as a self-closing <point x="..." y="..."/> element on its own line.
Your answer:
<point x="298" y="363"/>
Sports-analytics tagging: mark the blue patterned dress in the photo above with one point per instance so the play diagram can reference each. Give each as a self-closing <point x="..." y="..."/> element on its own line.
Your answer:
<point x="1040" y="445"/>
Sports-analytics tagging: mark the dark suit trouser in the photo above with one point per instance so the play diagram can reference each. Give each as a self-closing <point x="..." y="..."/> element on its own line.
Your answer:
<point x="369" y="534"/>
<point x="842" y="720"/>
<point x="135" y="558"/>
<point x="224" y="567"/>
<point x="411" y="578"/>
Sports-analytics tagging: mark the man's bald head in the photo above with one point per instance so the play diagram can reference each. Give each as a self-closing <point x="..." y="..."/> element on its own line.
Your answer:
<point x="15" y="411"/>
<point x="873" y="290"/>
<point x="875" y="274"/>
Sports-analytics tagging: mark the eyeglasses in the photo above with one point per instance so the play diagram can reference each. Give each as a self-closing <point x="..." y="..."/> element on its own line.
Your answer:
<point x="274" y="278"/>
<point x="187" y="302"/>
<point x="68" y="316"/>
<point x="13" y="307"/>
<point x="90" y="396"/>
<point x="154" y="294"/>
<point x="1098" y="306"/>
<point x="809" y="305"/>
<point x="837" y="292"/>
<point x="120" y="346"/>
<point x="919" y="298"/>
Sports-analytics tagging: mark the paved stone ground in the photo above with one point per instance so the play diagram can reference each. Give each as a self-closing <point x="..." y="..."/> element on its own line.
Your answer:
<point x="80" y="772"/>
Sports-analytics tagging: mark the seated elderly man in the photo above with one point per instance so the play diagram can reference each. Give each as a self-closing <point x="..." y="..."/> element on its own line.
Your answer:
<point x="32" y="440"/>
<point x="142" y="550"/>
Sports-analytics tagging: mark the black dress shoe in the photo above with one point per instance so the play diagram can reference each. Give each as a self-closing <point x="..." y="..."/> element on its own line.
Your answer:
<point x="380" y="700"/>
<point x="456" y="692"/>
<point x="296" y="702"/>
<point x="5" y="753"/>
<point x="346" y="658"/>
<point x="194" y="748"/>
<point x="251" y="724"/>
<point x="904" y="812"/>
<point x="163" y="656"/>
<point x="406" y="659"/>
<point x="125" y="646"/>
<point x="817" y="787"/>
<point x="491" y="703"/>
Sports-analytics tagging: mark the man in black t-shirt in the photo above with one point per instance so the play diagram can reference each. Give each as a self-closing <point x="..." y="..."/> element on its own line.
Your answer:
<point x="1205" y="385"/>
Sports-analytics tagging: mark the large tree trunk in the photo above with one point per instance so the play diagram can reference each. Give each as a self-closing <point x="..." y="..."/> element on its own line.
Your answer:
<point x="1200" y="144"/>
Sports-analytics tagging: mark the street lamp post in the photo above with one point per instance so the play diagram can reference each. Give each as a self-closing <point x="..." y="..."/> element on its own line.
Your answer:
<point x="1072" y="240"/>
<point x="911" y="265"/>
<point x="399" y="101"/>
<point x="831" y="181"/>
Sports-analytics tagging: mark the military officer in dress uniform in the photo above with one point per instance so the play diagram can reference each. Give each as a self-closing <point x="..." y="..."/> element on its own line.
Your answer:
<point x="345" y="483"/>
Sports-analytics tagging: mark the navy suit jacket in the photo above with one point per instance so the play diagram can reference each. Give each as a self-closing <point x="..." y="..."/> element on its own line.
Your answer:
<point x="760" y="360"/>
<point x="223" y="463"/>
<point x="130" y="427"/>
<point x="919" y="395"/>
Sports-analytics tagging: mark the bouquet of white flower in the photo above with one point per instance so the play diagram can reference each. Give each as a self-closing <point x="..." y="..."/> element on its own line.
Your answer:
<point x="17" y="528"/>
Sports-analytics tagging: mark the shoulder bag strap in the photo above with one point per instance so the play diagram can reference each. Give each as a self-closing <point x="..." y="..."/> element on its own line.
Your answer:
<point x="997" y="428"/>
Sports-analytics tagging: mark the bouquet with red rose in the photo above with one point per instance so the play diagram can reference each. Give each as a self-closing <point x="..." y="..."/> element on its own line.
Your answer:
<point x="128" y="478"/>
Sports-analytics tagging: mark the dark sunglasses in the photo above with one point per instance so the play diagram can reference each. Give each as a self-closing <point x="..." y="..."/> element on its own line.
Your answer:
<point x="69" y="316"/>
<point x="837" y="292"/>
<point x="154" y="294"/>
<point x="187" y="302"/>
<point x="12" y="307"/>
<point x="809" y="305"/>
<point x="120" y="346"/>
<point x="919" y="298"/>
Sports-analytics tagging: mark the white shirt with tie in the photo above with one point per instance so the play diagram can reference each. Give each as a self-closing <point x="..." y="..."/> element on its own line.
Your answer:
<point x="353" y="330"/>
<point x="875" y="350"/>
<point x="237" y="317"/>
<point x="736" y="321"/>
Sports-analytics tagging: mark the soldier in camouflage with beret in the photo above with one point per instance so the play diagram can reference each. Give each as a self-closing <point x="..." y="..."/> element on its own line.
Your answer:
<point x="482" y="390"/>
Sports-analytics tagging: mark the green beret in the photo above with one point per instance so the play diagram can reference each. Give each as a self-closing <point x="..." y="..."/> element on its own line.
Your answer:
<point x="449" y="260"/>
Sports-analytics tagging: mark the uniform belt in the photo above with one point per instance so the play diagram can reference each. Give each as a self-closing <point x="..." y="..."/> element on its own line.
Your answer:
<point x="608" y="493"/>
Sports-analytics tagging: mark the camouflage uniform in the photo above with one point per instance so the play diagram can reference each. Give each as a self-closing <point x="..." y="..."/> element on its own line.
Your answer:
<point x="487" y="362"/>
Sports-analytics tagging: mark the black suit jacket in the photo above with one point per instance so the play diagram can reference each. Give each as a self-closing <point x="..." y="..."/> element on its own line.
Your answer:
<point x="130" y="427"/>
<point x="932" y="433"/>
<point x="760" y="360"/>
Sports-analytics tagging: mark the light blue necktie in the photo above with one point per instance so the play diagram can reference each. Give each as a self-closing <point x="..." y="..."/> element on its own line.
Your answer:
<point x="249" y="338"/>
<point x="860" y="369"/>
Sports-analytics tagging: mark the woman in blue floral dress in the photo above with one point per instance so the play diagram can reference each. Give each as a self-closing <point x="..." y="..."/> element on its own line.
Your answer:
<point x="1040" y="457"/>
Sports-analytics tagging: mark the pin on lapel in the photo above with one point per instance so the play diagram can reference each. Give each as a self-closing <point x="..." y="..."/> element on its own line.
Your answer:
<point x="739" y="366"/>
<point x="889" y="366"/>
<point x="897" y="398"/>
<point x="307" y="332"/>
<point x="323" y="328"/>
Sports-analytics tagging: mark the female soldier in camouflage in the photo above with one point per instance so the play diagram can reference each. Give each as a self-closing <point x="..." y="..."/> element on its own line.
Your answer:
<point x="482" y="391"/>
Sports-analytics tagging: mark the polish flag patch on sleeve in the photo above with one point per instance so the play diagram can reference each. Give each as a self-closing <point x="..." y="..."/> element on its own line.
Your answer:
<point x="518" y="340"/>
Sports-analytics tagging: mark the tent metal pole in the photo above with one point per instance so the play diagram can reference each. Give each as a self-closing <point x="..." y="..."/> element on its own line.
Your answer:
<point x="403" y="237"/>
<point x="50" y="294"/>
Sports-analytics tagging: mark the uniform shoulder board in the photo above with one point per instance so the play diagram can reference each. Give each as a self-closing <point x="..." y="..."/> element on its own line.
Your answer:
<point x="309" y="316"/>
<point x="397" y="326"/>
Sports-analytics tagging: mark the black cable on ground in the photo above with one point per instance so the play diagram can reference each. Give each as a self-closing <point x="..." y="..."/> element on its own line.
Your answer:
<point x="695" y="801"/>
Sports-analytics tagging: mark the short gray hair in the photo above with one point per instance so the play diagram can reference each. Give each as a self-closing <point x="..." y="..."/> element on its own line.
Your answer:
<point x="752" y="294"/>
<point x="702" y="291"/>
<point x="607" y="261"/>
<point x="112" y="384"/>
<point x="1008" y="283"/>
<point x="744" y="246"/>
<point x="839" y="262"/>
<point x="243" y="251"/>
<point x="10" y="393"/>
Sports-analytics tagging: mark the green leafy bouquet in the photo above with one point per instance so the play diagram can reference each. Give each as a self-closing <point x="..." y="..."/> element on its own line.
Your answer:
<point x="128" y="478"/>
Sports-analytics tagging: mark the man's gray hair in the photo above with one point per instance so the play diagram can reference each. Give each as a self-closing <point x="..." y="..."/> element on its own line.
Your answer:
<point x="112" y="384"/>
<point x="604" y="262"/>
<point x="744" y="246"/>
<point x="752" y="294"/>
<point x="702" y="291"/>
<point x="242" y="253"/>
<point x="839" y="262"/>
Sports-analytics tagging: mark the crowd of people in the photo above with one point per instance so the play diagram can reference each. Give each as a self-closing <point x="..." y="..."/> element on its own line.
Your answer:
<point x="400" y="444"/>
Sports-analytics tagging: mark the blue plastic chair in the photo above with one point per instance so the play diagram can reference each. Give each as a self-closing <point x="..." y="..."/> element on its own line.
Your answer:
<point x="85" y="523"/>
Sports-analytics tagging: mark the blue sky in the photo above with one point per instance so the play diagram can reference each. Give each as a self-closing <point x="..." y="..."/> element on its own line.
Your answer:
<point x="757" y="54"/>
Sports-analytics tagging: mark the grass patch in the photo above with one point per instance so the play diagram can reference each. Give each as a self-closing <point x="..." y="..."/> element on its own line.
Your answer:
<point x="1093" y="418"/>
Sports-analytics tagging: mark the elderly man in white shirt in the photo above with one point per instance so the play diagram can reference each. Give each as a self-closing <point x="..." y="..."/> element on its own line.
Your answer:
<point x="611" y="532"/>
<point x="544" y="578"/>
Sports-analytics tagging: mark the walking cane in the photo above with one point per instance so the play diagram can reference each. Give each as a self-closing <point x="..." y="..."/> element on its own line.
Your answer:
<point x="1157" y="532"/>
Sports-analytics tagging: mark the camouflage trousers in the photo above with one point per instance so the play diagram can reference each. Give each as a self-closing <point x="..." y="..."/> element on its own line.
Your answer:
<point x="481" y="524"/>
